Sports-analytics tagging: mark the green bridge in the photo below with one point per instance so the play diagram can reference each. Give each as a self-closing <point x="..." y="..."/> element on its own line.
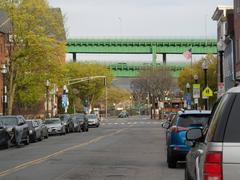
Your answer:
<point x="132" y="70"/>
<point x="140" y="46"/>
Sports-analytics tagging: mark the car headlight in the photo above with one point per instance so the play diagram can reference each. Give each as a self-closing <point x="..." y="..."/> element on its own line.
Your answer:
<point x="30" y="131"/>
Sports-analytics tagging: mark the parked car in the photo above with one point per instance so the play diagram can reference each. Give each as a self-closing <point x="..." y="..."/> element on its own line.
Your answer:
<point x="35" y="131"/>
<point x="215" y="149"/>
<point x="67" y="121"/>
<point x="4" y="136"/>
<point x="83" y="121"/>
<point x="55" y="126"/>
<point x="76" y="124"/>
<point x="123" y="114"/>
<point x="44" y="128"/>
<point x="93" y="120"/>
<point x="176" y="133"/>
<point x="14" y="130"/>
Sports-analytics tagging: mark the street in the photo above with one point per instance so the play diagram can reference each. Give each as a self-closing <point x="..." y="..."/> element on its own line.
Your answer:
<point x="131" y="148"/>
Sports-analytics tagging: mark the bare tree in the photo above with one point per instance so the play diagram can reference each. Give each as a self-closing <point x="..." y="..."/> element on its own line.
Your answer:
<point x="153" y="82"/>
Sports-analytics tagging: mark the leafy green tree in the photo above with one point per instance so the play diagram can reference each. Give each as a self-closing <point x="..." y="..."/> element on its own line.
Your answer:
<point x="36" y="50"/>
<point x="186" y="75"/>
<point x="89" y="91"/>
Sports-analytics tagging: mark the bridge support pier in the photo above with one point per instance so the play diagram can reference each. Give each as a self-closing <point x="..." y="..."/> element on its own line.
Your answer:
<point x="74" y="57"/>
<point x="154" y="56"/>
<point x="164" y="58"/>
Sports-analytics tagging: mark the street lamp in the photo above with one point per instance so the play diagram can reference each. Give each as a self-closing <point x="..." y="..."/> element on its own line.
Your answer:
<point x="205" y="69"/>
<point x="195" y="77"/>
<point x="47" y="98"/>
<point x="188" y="96"/>
<point x="4" y="99"/>
<point x="221" y="48"/>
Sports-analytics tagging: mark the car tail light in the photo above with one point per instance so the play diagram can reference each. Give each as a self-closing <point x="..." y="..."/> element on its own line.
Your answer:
<point x="177" y="129"/>
<point x="213" y="166"/>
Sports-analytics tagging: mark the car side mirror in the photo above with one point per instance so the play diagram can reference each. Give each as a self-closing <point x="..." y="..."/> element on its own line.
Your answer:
<point x="21" y="123"/>
<point x="166" y="125"/>
<point x="194" y="134"/>
<point x="189" y="143"/>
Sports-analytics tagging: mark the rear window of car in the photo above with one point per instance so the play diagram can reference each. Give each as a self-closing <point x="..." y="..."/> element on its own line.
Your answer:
<point x="91" y="116"/>
<point x="187" y="120"/>
<point x="233" y="125"/>
<point x="9" y="121"/>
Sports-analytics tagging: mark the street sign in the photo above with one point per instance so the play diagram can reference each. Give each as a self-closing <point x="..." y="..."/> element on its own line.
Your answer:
<point x="207" y="92"/>
<point x="188" y="99"/>
<point x="196" y="91"/>
<point x="64" y="100"/>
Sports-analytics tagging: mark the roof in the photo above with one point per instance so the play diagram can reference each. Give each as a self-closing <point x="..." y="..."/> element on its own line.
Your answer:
<point x="194" y="112"/>
<point x="234" y="90"/>
<point x="5" y="22"/>
<point x="221" y="10"/>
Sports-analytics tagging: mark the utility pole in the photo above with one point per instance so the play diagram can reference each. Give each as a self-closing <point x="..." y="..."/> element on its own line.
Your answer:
<point x="205" y="69"/>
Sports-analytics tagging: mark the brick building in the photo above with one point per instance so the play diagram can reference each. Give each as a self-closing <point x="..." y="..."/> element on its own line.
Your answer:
<point x="237" y="35"/>
<point x="5" y="28"/>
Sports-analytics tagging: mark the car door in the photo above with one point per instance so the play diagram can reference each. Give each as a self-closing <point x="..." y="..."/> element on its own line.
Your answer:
<point x="231" y="145"/>
<point x="169" y="130"/>
<point x="38" y="129"/>
<point x="21" y="129"/>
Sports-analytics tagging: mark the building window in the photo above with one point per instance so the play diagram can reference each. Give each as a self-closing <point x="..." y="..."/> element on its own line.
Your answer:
<point x="237" y="4"/>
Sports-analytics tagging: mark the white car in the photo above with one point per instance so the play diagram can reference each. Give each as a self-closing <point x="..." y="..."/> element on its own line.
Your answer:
<point x="93" y="120"/>
<point x="55" y="126"/>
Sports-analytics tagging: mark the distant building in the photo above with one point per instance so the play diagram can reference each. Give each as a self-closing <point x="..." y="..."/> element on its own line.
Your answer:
<point x="237" y="35"/>
<point x="224" y="15"/>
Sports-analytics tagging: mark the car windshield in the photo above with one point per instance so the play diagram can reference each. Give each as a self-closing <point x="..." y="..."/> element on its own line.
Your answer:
<point x="187" y="120"/>
<point x="52" y="121"/>
<point x="80" y="116"/>
<point x="1" y="123"/>
<point x="9" y="121"/>
<point x="91" y="116"/>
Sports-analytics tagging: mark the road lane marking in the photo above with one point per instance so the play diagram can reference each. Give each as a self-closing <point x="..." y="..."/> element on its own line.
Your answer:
<point x="45" y="158"/>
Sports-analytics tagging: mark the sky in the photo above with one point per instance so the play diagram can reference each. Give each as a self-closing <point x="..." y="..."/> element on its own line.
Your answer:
<point x="138" y="18"/>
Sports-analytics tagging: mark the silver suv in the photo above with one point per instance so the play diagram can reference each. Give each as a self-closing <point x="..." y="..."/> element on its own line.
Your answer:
<point x="215" y="153"/>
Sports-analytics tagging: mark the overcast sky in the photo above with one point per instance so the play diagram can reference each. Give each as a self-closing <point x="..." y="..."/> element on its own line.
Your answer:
<point x="162" y="18"/>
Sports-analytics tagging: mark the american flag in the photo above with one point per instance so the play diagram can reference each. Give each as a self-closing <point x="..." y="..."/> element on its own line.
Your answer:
<point x="188" y="54"/>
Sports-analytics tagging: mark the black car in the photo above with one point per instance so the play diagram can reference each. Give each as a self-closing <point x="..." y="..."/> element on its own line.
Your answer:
<point x="4" y="136"/>
<point x="83" y="121"/>
<point x="35" y="131"/>
<point x="14" y="130"/>
<point x="43" y="128"/>
<point x="67" y="121"/>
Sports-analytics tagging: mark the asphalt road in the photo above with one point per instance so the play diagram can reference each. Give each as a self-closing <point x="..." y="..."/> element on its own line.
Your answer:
<point x="120" y="149"/>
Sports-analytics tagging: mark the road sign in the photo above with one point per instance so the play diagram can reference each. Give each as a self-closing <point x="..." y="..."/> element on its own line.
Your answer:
<point x="207" y="92"/>
<point x="188" y="98"/>
<point x="196" y="91"/>
<point x="64" y="100"/>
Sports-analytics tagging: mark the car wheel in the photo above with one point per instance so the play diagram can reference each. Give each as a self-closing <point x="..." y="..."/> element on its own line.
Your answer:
<point x="26" y="142"/>
<point x="171" y="162"/>
<point x="185" y="173"/>
<point x="41" y="137"/>
<point x="8" y="143"/>
<point x="46" y="136"/>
